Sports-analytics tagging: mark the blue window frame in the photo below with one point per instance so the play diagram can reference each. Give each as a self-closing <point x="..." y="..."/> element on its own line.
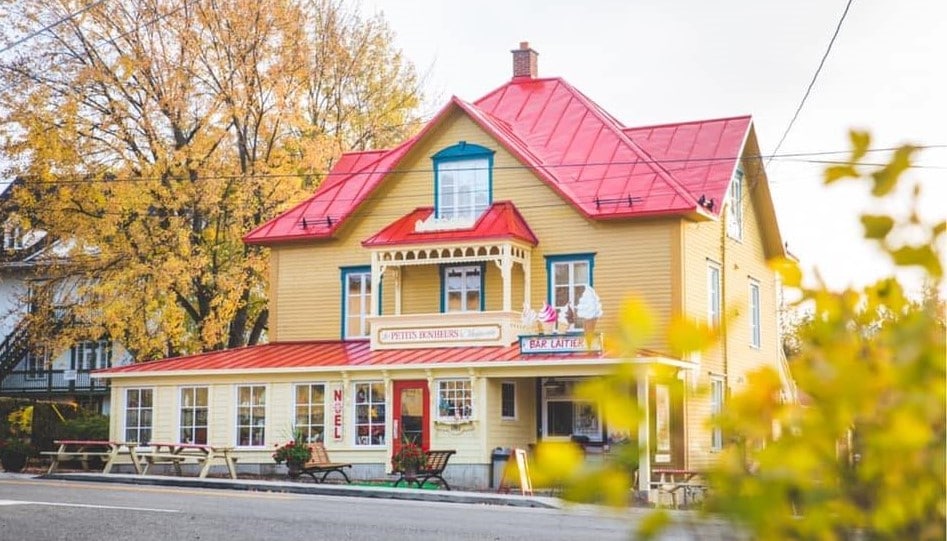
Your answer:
<point x="463" y="181"/>
<point x="462" y="287"/>
<point x="356" y="301"/>
<point x="567" y="276"/>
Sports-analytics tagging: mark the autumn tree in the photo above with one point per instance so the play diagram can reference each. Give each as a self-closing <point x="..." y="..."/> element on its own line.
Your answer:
<point x="150" y="135"/>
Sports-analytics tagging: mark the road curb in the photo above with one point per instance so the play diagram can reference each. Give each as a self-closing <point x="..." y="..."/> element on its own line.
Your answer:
<point x="248" y="485"/>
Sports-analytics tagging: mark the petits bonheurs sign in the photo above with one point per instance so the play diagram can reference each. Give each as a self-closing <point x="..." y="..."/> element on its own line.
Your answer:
<point x="558" y="343"/>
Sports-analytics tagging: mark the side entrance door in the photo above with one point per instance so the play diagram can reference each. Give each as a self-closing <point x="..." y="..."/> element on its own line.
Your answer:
<point x="411" y="416"/>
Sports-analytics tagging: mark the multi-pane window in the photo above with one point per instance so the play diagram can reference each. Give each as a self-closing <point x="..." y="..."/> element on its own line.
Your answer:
<point x="139" y="407"/>
<point x="311" y="411"/>
<point x="92" y="354"/>
<point x="463" y="188"/>
<point x="569" y="276"/>
<point x="251" y="415"/>
<point x="454" y="399"/>
<point x="508" y="400"/>
<point x="716" y="408"/>
<point x="755" y="335"/>
<point x="35" y="363"/>
<point x="370" y="413"/>
<point x="735" y="207"/>
<point x="357" y="288"/>
<point x="463" y="288"/>
<point x="713" y="294"/>
<point x="193" y="415"/>
<point x="12" y="238"/>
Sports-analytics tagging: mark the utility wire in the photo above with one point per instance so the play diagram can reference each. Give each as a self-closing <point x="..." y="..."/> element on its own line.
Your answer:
<point x="812" y="82"/>
<point x="50" y="26"/>
<point x="65" y="180"/>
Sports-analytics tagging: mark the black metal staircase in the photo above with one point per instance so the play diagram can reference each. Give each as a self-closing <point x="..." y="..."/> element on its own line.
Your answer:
<point x="13" y="349"/>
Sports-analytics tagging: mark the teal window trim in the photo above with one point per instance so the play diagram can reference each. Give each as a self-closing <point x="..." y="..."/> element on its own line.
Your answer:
<point x="568" y="258"/>
<point x="344" y="273"/>
<point x="483" y="280"/>
<point x="461" y="151"/>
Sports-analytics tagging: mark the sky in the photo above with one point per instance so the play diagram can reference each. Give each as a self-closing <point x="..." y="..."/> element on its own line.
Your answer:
<point x="660" y="61"/>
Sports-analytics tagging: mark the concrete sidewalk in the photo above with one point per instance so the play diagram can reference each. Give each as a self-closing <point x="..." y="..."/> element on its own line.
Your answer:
<point x="296" y="487"/>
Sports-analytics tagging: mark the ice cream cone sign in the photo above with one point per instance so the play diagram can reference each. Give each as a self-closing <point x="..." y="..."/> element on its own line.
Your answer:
<point x="589" y="310"/>
<point x="548" y="316"/>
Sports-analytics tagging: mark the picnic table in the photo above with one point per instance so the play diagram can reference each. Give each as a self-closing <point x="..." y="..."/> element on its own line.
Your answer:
<point x="83" y="450"/>
<point x="673" y="482"/>
<point x="176" y="453"/>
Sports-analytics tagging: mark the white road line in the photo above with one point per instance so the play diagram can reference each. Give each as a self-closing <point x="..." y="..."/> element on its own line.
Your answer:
<point x="90" y="506"/>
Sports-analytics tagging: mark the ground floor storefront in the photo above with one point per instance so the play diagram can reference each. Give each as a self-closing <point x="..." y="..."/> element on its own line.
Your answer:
<point x="362" y="406"/>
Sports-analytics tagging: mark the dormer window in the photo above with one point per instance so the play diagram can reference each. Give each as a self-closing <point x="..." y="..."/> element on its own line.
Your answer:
<point x="463" y="178"/>
<point x="12" y="238"/>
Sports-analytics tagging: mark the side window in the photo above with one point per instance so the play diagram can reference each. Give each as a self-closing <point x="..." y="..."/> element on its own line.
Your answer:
<point x="508" y="400"/>
<point x="139" y="409"/>
<point x="569" y="276"/>
<point x="756" y="338"/>
<point x="735" y="207"/>
<point x="356" y="301"/>
<point x="716" y="408"/>
<point x="463" y="288"/>
<point x="713" y="294"/>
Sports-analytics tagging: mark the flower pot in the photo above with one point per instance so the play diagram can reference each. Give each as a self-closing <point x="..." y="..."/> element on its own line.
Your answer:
<point x="13" y="461"/>
<point x="411" y="474"/>
<point x="295" y="469"/>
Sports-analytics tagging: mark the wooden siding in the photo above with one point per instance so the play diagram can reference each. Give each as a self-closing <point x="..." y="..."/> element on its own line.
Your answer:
<point x="631" y="257"/>
<point x="740" y="262"/>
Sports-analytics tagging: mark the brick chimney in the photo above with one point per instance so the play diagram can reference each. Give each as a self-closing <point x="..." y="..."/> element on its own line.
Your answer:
<point x="525" y="61"/>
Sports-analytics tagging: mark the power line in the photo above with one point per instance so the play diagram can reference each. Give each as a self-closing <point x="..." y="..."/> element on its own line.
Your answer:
<point x="812" y="82"/>
<point x="329" y="173"/>
<point x="50" y="26"/>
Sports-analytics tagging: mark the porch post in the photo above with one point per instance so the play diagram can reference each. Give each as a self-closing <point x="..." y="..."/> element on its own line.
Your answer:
<point x="644" y="434"/>
<point x="506" y="267"/>
<point x="377" y="271"/>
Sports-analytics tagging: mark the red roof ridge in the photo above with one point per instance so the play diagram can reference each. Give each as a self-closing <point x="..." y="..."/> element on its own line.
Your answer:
<point x="610" y="121"/>
<point x="685" y="122"/>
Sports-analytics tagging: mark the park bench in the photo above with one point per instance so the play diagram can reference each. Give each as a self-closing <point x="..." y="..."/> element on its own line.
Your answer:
<point x="319" y="463"/>
<point x="434" y="464"/>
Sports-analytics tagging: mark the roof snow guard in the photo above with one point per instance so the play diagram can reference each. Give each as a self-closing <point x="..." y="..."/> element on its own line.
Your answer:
<point x="602" y="168"/>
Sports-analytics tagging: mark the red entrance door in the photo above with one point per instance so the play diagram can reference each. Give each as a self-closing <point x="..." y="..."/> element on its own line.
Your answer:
<point x="411" y="416"/>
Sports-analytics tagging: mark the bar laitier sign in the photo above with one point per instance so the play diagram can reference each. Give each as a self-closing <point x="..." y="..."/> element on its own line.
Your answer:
<point x="558" y="343"/>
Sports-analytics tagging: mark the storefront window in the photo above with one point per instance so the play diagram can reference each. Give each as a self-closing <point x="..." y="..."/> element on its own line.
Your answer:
<point x="567" y="415"/>
<point x="370" y="413"/>
<point x="251" y="415"/>
<point x="454" y="399"/>
<point x="311" y="411"/>
<point x="139" y="405"/>
<point x="193" y="415"/>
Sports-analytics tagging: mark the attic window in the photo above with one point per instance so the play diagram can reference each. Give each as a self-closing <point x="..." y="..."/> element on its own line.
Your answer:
<point x="735" y="207"/>
<point x="12" y="238"/>
<point x="463" y="182"/>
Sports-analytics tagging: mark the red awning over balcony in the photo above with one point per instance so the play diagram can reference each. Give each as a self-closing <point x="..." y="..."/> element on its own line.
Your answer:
<point x="500" y="221"/>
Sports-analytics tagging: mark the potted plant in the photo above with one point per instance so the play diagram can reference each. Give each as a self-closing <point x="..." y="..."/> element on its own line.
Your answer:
<point x="14" y="453"/>
<point x="294" y="454"/>
<point x="408" y="460"/>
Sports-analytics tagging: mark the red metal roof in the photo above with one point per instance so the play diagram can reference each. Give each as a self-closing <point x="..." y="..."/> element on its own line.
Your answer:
<point x="329" y="354"/>
<point x="500" y="221"/>
<point x="701" y="154"/>
<point x="596" y="164"/>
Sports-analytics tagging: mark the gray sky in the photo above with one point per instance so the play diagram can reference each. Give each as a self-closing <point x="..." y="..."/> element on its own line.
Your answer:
<point x="650" y="62"/>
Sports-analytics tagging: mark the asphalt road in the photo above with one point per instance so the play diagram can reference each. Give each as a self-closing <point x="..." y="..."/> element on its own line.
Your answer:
<point x="37" y="510"/>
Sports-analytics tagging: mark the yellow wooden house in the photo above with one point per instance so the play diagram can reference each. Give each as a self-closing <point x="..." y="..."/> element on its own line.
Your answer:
<point x="404" y="293"/>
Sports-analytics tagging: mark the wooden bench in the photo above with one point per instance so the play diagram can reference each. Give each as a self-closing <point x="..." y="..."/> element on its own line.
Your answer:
<point x="434" y="464"/>
<point x="319" y="463"/>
